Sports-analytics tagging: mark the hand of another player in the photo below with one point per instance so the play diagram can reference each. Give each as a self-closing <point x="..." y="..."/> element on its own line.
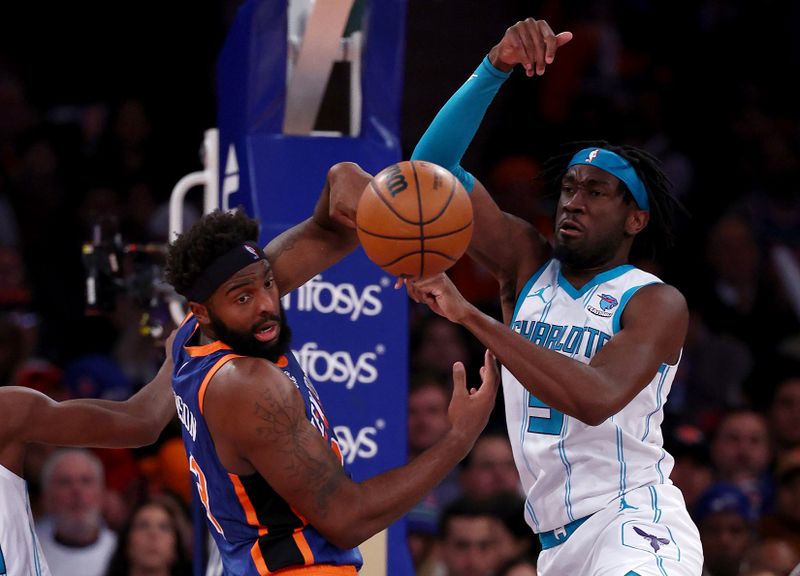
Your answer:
<point x="168" y="345"/>
<point x="347" y="181"/>
<point x="529" y="42"/>
<point x="440" y="294"/>
<point x="469" y="410"/>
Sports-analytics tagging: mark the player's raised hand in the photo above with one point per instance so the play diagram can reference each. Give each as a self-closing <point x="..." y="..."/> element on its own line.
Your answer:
<point x="347" y="182"/>
<point x="530" y="43"/>
<point x="469" y="410"/>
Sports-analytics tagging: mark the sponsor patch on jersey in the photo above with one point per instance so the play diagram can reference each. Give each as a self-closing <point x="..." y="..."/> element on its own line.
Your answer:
<point x="606" y="305"/>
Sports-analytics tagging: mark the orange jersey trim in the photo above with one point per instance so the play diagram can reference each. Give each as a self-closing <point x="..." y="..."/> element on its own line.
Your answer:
<point x="186" y="318"/>
<point x="206" y="349"/>
<point x="201" y="393"/>
<point x="247" y="504"/>
<point x="258" y="560"/>
<point x="321" y="570"/>
<point x="302" y="545"/>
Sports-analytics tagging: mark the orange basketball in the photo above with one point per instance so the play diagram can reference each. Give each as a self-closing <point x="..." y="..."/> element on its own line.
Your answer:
<point x="414" y="219"/>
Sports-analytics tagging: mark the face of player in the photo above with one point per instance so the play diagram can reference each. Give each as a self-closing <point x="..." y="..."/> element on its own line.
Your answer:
<point x="594" y="222"/>
<point x="245" y="312"/>
<point x="152" y="540"/>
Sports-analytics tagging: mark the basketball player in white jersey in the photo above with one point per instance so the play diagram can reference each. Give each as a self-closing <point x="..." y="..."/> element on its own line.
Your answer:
<point x="31" y="417"/>
<point x="593" y="343"/>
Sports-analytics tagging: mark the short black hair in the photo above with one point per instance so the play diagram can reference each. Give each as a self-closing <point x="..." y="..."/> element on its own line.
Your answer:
<point x="658" y="236"/>
<point x="209" y="238"/>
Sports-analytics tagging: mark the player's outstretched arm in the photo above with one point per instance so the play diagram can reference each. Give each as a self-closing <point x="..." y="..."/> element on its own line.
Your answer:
<point x="30" y="416"/>
<point x="653" y="328"/>
<point x="273" y="435"/>
<point x="507" y="246"/>
<point x="305" y="250"/>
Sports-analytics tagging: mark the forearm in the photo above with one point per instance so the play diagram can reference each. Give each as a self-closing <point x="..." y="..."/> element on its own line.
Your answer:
<point x="569" y="386"/>
<point x="454" y="127"/>
<point x="385" y="498"/>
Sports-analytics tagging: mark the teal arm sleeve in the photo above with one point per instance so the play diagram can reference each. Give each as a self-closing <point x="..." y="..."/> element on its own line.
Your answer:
<point x="450" y="133"/>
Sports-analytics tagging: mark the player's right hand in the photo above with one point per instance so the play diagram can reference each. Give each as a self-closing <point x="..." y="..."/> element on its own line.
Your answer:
<point x="469" y="410"/>
<point x="347" y="181"/>
<point x="529" y="42"/>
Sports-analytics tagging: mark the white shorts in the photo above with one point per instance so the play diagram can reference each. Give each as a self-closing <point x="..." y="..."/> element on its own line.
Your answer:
<point x="648" y="533"/>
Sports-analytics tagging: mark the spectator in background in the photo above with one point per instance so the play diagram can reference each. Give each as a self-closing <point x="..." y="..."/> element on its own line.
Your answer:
<point x="428" y="401"/>
<point x="784" y="522"/>
<point x="711" y="376"/>
<point x="152" y="543"/>
<point x="513" y="537"/>
<point x="725" y="521"/>
<point x="468" y="543"/>
<point x="741" y="455"/>
<point x="74" y="538"/>
<point x="784" y="413"/>
<point x="489" y="467"/>
<point x="771" y="556"/>
<point x="692" y="472"/>
<point x="741" y="299"/>
<point x="524" y="566"/>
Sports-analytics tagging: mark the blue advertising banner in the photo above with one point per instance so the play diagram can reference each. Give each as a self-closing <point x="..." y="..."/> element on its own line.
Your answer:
<point x="350" y="325"/>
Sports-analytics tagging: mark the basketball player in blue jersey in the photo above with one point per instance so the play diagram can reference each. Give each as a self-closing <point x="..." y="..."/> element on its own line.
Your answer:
<point x="30" y="417"/>
<point x="593" y="343"/>
<point x="265" y="459"/>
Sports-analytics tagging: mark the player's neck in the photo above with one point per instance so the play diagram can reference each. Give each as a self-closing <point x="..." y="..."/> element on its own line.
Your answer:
<point x="578" y="277"/>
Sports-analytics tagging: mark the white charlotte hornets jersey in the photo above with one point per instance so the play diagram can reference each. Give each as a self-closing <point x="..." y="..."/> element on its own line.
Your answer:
<point x="20" y="553"/>
<point x="568" y="469"/>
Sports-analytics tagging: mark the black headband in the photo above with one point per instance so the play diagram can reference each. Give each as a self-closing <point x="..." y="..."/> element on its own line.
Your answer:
<point x="223" y="268"/>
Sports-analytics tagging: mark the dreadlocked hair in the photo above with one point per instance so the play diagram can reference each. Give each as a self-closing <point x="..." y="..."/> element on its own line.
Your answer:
<point x="658" y="236"/>
<point x="212" y="236"/>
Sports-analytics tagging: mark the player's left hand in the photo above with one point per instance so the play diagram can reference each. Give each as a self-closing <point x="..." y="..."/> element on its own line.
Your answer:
<point x="347" y="181"/>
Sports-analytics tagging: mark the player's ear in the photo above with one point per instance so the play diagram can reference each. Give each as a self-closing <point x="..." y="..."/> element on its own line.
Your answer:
<point x="636" y="221"/>
<point x="200" y="312"/>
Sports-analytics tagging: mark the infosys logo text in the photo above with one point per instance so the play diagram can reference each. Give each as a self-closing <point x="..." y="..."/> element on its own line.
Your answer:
<point x="360" y="444"/>
<point x="329" y="298"/>
<point x="340" y="367"/>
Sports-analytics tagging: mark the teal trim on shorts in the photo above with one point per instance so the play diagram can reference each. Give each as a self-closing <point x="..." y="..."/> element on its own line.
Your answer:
<point x="558" y="536"/>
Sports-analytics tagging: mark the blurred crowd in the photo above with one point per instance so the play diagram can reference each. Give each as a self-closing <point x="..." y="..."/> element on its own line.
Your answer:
<point x="693" y="83"/>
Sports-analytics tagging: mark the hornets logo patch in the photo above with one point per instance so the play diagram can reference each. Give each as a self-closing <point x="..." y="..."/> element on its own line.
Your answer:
<point x="606" y="305"/>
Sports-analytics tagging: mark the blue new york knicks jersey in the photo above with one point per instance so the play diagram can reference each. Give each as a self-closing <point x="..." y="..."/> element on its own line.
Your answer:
<point x="569" y="469"/>
<point x="257" y="532"/>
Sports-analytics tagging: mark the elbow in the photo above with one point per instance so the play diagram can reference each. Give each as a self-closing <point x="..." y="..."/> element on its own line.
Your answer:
<point x="343" y="536"/>
<point x="345" y="528"/>
<point x="145" y="436"/>
<point x="595" y="413"/>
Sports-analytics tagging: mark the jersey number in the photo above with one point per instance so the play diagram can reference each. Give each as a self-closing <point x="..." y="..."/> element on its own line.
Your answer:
<point x="202" y="490"/>
<point x="542" y="419"/>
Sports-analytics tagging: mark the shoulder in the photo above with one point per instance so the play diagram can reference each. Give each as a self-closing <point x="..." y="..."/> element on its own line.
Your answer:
<point x="657" y="301"/>
<point x="17" y="404"/>
<point x="245" y="379"/>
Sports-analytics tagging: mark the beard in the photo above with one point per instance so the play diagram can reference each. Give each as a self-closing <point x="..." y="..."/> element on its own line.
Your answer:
<point x="586" y="256"/>
<point x="245" y="344"/>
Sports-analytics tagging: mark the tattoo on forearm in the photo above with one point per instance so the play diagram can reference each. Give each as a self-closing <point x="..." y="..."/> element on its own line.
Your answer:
<point x="294" y="438"/>
<point x="287" y="242"/>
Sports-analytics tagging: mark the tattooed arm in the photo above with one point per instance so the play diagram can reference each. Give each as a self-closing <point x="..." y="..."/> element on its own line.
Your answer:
<point x="272" y="436"/>
<point x="305" y="250"/>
